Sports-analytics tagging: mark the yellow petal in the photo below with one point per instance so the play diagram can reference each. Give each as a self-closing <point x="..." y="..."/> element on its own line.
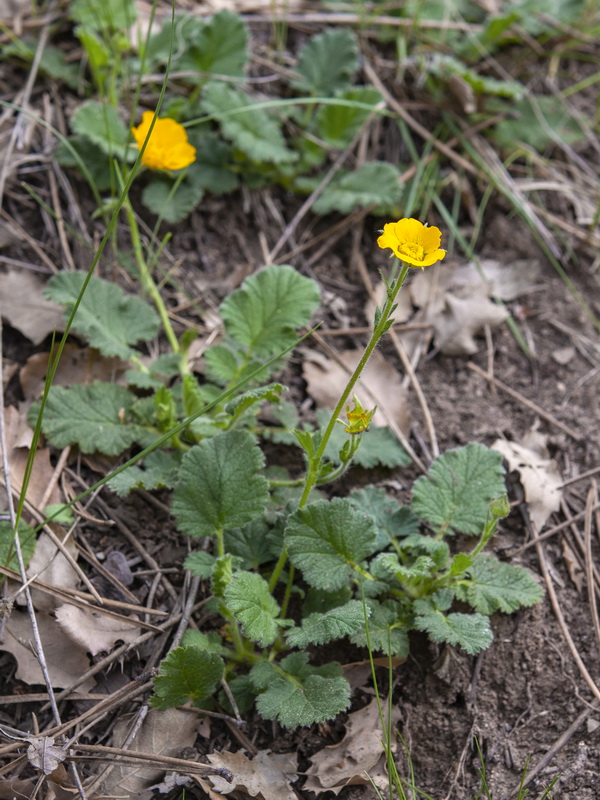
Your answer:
<point x="431" y="238"/>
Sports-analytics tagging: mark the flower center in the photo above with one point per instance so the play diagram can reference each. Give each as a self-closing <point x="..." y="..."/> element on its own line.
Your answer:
<point x="413" y="250"/>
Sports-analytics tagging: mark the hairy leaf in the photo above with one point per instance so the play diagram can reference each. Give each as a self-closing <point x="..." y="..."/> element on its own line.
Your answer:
<point x="109" y="15"/>
<point x="302" y="696"/>
<point x="375" y="183"/>
<point x="388" y="632"/>
<point x="326" y="540"/>
<point x="337" y="125"/>
<point x="496" y="586"/>
<point x="264" y="313"/>
<point x="8" y="556"/>
<point x="159" y="471"/>
<point x="187" y="672"/>
<point x="249" y="600"/>
<point x="392" y="520"/>
<point x="90" y="417"/>
<point x="471" y="631"/>
<point x="200" y="563"/>
<point x="327" y="62"/>
<point x="219" y="486"/>
<point x="333" y="624"/>
<point x="220" y="46"/>
<point x="159" y="198"/>
<point x="251" y="129"/>
<point x="107" y="318"/>
<point x="454" y="495"/>
<point x="210" y="642"/>
<point x="101" y="124"/>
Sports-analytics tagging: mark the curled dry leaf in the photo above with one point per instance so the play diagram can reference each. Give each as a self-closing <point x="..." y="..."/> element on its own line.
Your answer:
<point x="539" y="475"/>
<point x="349" y="761"/>
<point x="267" y="775"/>
<point x="380" y="385"/>
<point x="66" y="662"/>
<point x="94" y="631"/>
<point x="43" y="754"/>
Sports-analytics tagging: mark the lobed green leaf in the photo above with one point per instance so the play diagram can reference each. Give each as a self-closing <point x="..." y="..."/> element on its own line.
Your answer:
<point x="333" y="624"/>
<point x="187" y="672"/>
<point x="497" y="586"/>
<point x="248" y="598"/>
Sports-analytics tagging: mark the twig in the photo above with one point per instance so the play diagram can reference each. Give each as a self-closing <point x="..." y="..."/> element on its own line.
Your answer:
<point x="524" y="401"/>
<point x="589" y="563"/>
<point x="551" y="532"/>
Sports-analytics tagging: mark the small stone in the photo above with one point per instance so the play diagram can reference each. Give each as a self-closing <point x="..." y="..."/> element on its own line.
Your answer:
<point x="563" y="355"/>
<point x="592" y="725"/>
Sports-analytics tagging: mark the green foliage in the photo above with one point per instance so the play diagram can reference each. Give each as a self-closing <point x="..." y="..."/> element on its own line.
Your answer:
<point x="455" y="494"/>
<point x="8" y="555"/>
<point x="296" y="693"/>
<point x="108" y="15"/>
<point x="374" y="184"/>
<point x="160" y="196"/>
<point x="327" y="63"/>
<point x="492" y="585"/>
<point x="539" y="122"/>
<point x="333" y="624"/>
<point x="102" y="126"/>
<point x="106" y="317"/>
<point x="218" y="484"/>
<point x="338" y="124"/>
<point x="252" y="605"/>
<point x="472" y="632"/>
<point x="187" y="672"/>
<point x="159" y="471"/>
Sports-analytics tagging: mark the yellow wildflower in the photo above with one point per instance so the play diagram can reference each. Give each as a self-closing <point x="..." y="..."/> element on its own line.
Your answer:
<point x="412" y="242"/>
<point x="359" y="418"/>
<point x="168" y="146"/>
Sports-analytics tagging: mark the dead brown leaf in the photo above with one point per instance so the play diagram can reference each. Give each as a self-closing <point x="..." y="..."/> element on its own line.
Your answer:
<point x="539" y="475"/>
<point x="65" y="660"/>
<point x="165" y="733"/>
<point x="267" y="775"/>
<point x="349" y="761"/>
<point x="94" y="631"/>
<point x="51" y="566"/>
<point x="380" y="385"/>
<point x="44" y="754"/>
<point x="25" y="308"/>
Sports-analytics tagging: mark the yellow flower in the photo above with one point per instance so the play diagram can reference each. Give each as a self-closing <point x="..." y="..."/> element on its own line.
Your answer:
<point x="168" y="146"/>
<point x="412" y="242"/>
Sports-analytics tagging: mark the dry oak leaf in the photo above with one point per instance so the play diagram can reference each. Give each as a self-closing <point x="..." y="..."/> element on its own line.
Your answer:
<point x="267" y="775"/>
<point x="539" y="475"/>
<point x="66" y="662"/>
<point x="94" y="631"/>
<point x="25" y="308"/>
<point x="349" y="761"/>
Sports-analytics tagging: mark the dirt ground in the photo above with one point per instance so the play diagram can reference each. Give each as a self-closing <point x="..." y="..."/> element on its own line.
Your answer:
<point x="525" y="697"/>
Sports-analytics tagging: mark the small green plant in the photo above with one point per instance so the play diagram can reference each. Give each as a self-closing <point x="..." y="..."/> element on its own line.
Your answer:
<point x="289" y="569"/>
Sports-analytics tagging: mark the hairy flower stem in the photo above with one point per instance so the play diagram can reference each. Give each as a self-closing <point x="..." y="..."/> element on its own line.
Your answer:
<point x="146" y="278"/>
<point x="314" y="464"/>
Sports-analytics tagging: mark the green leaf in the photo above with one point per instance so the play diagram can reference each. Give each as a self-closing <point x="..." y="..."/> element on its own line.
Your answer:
<point x="438" y="550"/>
<point x="270" y="393"/>
<point x="96" y="161"/>
<point x="388" y="564"/>
<point x="387" y="630"/>
<point x="326" y="540"/>
<point x="378" y="445"/>
<point x="212" y="169"/>
<point x="107" y="318"/>
<point x="327" y="62"/>
<point x="392" y="520"/>
<point x="159" y="198"/>
<point x="302" y="695"/>
<point x="455" y="494"/>
<point x="264" y="313"/>
<point x="375" y="183"/>
<point x="333" y="624"/>
<point x="187" y="672"/>
<point x="337" y="125"/>
<point x="90" y="417"/>
<point x="222" y="573"/>
<point x="286" y="414"/>
<point x="222" y="363"/>
<point x="200" y="564"/>
<point x="220" y="46"/>
<point x="537" y="121"/>
<point x="218" y="484"/>
<point x="108" y="15"/>
<point x="252" y="130"/>
<point x="256" y="543"/>
<point x="8" y="556"/>
<point x="159" y="471"/>
<point x="209" y="642"/>
<point x="497" y="586"/>
<point x="249" y="600"/>
<point x="471" y="631"/>
<point x="101" y="124"/>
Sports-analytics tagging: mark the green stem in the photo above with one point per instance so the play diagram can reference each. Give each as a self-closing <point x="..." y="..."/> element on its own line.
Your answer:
<point x="220" y="542"/>
<point x="146" y="278"/>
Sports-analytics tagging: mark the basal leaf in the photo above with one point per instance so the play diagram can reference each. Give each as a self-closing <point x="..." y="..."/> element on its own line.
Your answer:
<point x="252" y="130"/>
<point x="265" y="312"/>
<point x="326" y="540"/>
<point x="388" y="632"/>
<point x="159" y="198"/>
<point x="494" y="585"/>
<point x="376" y="183"/>
<point x="8" y="556"/>
<point x="392" y="520"/>
<point x="471" y="631"/>
<point x="219" y="47"/>
<point x="201" y="564"/>
<point x="438" y="550"/>
<point x="338" y="124"/>
<point x="159" y="471"/>
<point x="333" y="624"/>
<point x="101" y="124"/>
<point x="186" y="673"/>
<point x="454" y="495"/>
<point x="209" y="642"/>
<point x="219" y="486"/>
<point x="90" y="417"/>
<point x="108" y="15"/>
<point x="327" y="62"/>
<point x="537" y="121"/>
<point x="248" y="598"/>
<point x="302" y="695"/>
<point x="107" y="318"/>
